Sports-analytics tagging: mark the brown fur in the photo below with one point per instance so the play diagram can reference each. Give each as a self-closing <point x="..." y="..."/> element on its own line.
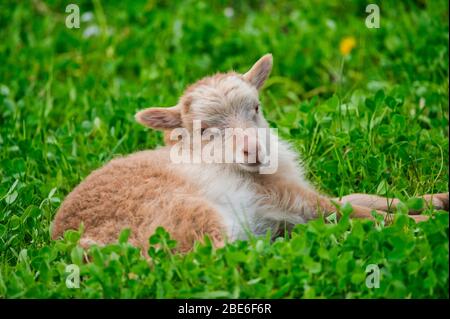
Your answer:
<point x="138" y="192"/>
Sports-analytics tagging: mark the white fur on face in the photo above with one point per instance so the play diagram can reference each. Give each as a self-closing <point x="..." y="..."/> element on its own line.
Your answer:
<point x="225" y="102"/>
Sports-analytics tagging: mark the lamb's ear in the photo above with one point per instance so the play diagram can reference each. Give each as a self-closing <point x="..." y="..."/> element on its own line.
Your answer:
<point x="260" y="71"/>
<point x="160" y="117"/>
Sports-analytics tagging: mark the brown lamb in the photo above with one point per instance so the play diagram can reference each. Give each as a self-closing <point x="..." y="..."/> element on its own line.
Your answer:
<point x="225" y="201"/>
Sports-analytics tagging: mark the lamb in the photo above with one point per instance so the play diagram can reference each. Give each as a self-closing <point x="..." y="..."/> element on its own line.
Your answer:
<point x="225" y="201"/>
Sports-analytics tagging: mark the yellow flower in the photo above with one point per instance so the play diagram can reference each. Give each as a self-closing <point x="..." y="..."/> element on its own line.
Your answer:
<point x="347" y="44"/>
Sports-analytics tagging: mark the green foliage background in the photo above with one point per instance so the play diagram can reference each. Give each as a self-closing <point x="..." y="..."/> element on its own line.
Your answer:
<point x="374" y="121"/>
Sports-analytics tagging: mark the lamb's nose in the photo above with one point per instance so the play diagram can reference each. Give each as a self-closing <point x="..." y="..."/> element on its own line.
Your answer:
<point x="250" y="150"/>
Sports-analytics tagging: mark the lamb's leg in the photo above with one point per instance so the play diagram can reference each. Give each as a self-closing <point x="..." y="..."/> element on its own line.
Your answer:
<point x="438" y="201"/>
<point x="300" y="201"/>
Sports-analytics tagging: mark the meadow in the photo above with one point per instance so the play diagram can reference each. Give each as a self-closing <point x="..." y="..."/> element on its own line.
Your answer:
<point x="367" y="109"/>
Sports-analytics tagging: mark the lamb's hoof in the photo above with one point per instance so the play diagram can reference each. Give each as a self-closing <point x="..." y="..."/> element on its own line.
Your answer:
<point x="439" y="201"/>
<point x="443" y="197"/>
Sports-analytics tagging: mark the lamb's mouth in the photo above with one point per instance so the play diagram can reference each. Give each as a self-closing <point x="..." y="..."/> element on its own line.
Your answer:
<point x="252" y="164"/>
<point x="251" y="167"/>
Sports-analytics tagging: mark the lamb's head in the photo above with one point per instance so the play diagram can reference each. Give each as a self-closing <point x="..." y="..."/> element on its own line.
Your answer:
<point x="222" y="104"/>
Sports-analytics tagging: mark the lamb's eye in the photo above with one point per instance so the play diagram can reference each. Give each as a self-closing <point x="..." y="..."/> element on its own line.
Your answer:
<point x="257" y="108"/>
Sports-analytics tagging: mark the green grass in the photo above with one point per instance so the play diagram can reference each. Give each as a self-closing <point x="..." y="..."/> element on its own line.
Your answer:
<point x="375" y="121"/>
